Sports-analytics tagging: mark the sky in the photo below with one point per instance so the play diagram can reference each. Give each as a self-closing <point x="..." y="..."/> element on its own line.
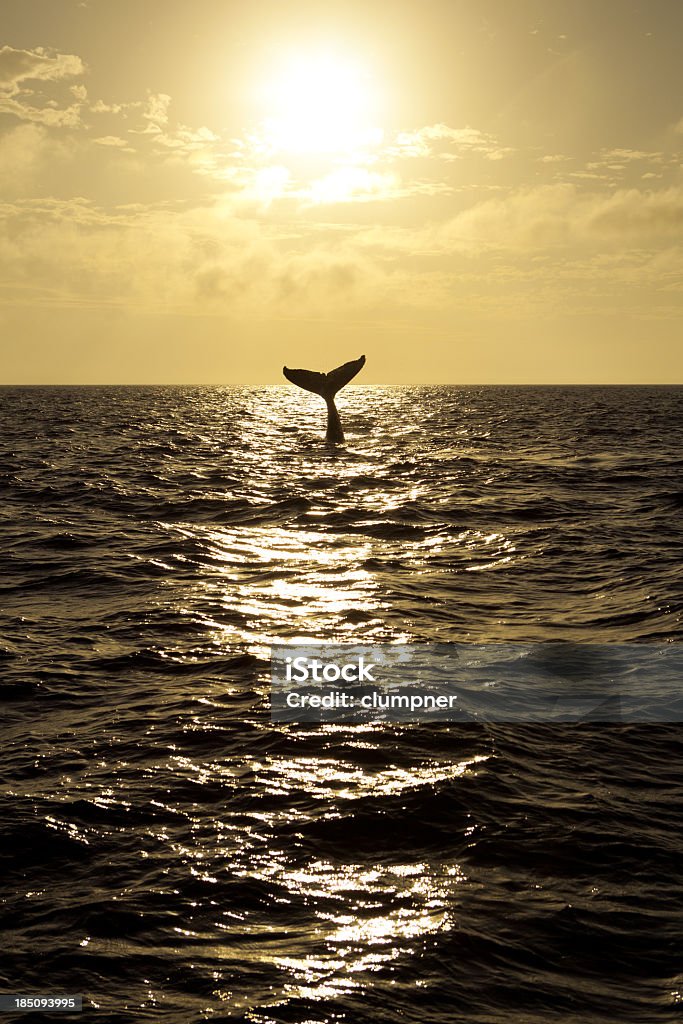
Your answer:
<point x="467" y="191"/>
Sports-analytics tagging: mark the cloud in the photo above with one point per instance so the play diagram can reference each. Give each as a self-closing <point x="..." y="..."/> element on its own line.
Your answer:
<point x="188" y="140"/>
<point x="500" y="153"/>
<point x="611" y="163"/>
<point x="446" y="142"/>
<point x="636" y="214"/>
<point x="51" y="116"/>
<point x="18" y="67"/>
<point x="74" y="253"/>
<point x="21" y="151"/>
<point x="155" y="113"/>
<point x="502" y="258"/>
<point x="321" y="276"/>
<point x="115" y="142"/>
<point x="100" y="107"/>
<point x="560" y="215"/>
<point x="351" y="184"/>
<point x="588" y="176"/>
<point x="156" y="110"/>
<point x="627" y="155"/>
<point x="201" y="261"/>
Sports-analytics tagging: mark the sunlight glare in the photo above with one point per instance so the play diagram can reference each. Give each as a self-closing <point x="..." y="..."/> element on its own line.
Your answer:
<point x="321" y="104"/>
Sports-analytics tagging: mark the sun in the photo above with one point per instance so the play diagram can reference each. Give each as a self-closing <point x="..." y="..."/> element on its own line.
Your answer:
<point x="321" y="104"/>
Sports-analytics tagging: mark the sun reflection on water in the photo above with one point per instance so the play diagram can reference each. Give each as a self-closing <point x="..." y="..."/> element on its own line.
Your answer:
<point x="349" y="946"/>
<point x="323" y="923"/>
<point x="258" y="586"/>
<point x="342" y="546"/>
<point x="332" y="778"/>
<point x="287" y="585"/>
<point x="368" y="913"/>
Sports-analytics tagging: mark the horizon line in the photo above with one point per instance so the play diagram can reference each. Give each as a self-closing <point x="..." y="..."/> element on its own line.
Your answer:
<point x="421" y="384"/>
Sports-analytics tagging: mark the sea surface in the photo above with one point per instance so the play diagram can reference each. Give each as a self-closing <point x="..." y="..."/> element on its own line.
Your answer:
<point x="173" y="856"/>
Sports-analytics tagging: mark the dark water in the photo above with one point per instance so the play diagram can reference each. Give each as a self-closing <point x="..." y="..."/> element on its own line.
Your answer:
<point x="175" y="857"/>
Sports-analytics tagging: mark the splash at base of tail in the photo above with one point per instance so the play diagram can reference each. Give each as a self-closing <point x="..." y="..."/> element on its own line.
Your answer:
<point x="327" y="385"/>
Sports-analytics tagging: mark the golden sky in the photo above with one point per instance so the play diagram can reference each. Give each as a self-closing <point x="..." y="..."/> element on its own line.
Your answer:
<point x="467" y="191"/>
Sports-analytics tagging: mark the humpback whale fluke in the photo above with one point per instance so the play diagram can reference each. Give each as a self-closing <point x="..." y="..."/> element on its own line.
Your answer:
<point x="327" y="385"/>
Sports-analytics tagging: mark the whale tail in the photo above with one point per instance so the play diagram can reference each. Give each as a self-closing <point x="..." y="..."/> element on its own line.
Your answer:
<point x="327" y="385"/>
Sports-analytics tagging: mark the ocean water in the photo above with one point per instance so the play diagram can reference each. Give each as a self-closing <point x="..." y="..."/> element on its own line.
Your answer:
<point x="175" y="857"/>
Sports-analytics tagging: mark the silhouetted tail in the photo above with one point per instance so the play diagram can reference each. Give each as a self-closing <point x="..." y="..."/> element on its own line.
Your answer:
<point x="325" y="384"/>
